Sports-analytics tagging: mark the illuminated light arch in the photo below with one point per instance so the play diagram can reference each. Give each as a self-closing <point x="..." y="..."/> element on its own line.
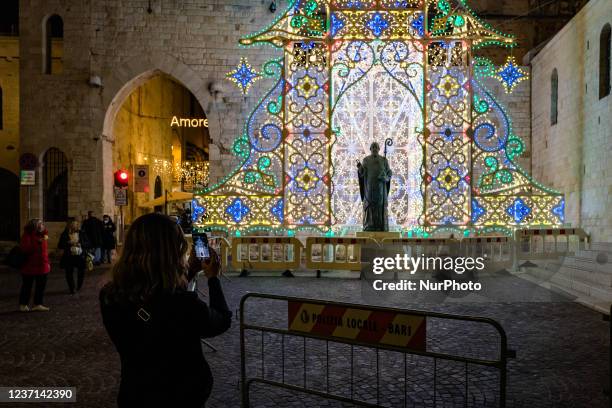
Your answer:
<point x="358" y="71"/>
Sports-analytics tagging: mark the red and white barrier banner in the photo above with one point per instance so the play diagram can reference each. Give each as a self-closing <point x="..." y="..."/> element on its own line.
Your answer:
<point x="362" y="325"/>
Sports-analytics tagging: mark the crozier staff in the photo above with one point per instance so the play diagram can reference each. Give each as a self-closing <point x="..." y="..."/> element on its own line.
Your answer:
<point x="155" y="323"/>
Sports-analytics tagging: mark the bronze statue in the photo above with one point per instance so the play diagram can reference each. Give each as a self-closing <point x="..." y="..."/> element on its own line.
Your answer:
<point x="374" y="183"/>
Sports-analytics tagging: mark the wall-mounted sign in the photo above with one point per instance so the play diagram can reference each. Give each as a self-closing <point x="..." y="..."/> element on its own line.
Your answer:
<point x="359" y="324"/>
<point x="141" y="178"/>
<point x="189" y="122"/>
<point x="121" y="196"/>
<point x="27" y="177"/>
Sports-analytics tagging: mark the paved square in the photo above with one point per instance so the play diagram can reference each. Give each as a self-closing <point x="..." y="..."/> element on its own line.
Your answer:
<point x="562" y="350"/>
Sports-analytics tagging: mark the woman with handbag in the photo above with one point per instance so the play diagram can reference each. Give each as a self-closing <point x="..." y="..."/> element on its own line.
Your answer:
<point x="72" y="242"/>
<point x="35" y="267"/>
<point x="155" y="323"/>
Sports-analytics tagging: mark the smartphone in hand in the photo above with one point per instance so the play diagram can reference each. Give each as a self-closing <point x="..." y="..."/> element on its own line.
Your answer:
<point x="200" y="243"/>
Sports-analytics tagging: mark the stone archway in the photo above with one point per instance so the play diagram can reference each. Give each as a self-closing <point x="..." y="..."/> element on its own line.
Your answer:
<point x="120" y="82"/>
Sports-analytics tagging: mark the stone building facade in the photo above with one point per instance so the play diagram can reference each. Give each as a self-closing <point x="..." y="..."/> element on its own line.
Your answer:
<point x="111" y="48"/>
<point x="125" y="44"/>
<point x="573" y="154"/>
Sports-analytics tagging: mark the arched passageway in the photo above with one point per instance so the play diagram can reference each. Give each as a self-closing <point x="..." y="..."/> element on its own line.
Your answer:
<point x="159" y="124"/>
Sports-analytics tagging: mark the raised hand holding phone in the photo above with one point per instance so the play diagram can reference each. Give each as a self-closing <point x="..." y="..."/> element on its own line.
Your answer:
<point x="210" y="266"/>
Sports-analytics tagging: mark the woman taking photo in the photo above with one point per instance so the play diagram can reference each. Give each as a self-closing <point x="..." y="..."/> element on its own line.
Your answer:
<point x="36" y="266"/>
<point x="72" y="242"/>
<point x="155" y="323"/>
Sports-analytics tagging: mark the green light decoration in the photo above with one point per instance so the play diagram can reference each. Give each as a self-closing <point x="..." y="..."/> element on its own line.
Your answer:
<point x="343" y="60"/>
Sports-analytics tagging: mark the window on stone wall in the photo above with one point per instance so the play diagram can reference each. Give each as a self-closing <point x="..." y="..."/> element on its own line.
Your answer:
<point x="1" y="110"/>
<point x="604" y="61"/>
<point x="554" y="97"/>
<point x="55" y="185"/>
<point x="53" y="45"/>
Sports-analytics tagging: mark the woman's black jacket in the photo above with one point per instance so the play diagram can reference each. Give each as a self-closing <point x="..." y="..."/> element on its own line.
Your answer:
<point x="162" y="364"/>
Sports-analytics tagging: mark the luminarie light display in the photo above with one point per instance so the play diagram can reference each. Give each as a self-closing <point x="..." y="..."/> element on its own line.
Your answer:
<point x="354" y="72"/>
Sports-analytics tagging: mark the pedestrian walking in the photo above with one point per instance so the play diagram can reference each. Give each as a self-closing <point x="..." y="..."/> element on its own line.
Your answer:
<point x="72" y="242"/>
<point x="94" y="229"/>
<point x="108" y="238"/>
<point x="34" y="270"/>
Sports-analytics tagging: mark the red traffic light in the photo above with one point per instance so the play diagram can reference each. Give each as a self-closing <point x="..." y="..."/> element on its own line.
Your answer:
<point x="121" y="178"/>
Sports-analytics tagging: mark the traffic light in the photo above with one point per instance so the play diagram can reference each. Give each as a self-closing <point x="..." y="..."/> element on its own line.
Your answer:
<point x="121" y="178"/>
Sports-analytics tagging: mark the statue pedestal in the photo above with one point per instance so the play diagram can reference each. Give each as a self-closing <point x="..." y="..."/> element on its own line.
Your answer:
<point x="378" y="236"/>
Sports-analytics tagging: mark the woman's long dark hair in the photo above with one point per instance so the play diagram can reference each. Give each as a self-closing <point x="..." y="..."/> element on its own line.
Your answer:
<point x="152" y="259"/>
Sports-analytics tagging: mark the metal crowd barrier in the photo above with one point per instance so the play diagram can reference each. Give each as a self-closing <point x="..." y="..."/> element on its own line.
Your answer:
<point x="266" y="253"/>
<point x="341" y="310"/>
<point x="608" y="386"/>
<point x="337" y="253"/>
<point x="422" y="246"/>
<point x="496" y="250"/>
<point x="344" y="253"/>
<point x="549" y="242"/>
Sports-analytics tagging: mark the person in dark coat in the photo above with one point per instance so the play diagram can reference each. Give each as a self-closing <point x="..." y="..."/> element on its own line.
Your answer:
<point x="94" y="229"/>
<point x="108" y="238"/>
<point x="155" y="323"/>
<point x="73" y="242"/>
<point x="36" y="266"/>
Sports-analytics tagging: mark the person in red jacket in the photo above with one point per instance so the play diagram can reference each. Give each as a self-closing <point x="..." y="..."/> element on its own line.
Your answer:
<point x="36" y="267"/>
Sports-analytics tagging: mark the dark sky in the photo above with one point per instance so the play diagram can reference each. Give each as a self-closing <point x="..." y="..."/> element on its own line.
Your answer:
<point x="9" y="16"/>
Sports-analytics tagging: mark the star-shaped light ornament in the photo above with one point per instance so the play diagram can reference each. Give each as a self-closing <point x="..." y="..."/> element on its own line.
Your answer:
<point x="307" y="179"/>
<point x="448" y="86"/>
<point x="448" y="179"/>
<point x="243" y="75"/>
<point x="511" y="75"/>
<point x="307" y="87"/>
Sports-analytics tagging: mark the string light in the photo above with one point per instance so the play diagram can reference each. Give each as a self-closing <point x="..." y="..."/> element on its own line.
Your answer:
<point x="296" y="150"/>
<point x="511" y="75"/>
<point x="243" y="75"/>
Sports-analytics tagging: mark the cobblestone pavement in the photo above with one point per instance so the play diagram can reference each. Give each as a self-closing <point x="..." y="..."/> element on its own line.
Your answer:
<point x="562" y="350"/>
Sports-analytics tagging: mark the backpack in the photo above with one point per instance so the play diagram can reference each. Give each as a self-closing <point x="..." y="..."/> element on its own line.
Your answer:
<point x="16" y="257"/>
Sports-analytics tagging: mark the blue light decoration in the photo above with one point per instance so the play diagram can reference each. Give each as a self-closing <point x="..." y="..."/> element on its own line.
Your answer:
<point x="477" y="210"/>
<point x="277" y="210"/>
<point x="377" y="24"/>
<point x="295" y="169"/>
<point x="243" y="75"/>
<point x="237" y="210"/>
<point x="518" y="210"/>
<point x="336" y="24"/>
<point x="510" y="75"/>
<point x="197" y="211"/>
<point x="559" y="210"/>
<point x="417" y="25"/>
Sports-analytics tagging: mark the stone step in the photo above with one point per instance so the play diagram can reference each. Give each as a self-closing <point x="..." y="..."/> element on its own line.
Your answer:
<point x="594" y="255"/>
<point x="587" y="264"/>
<point x="598" y="292"/>
<point x="542" y="277"/>
<point x="582" y="274"/>
<point x="601" y="246"/>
